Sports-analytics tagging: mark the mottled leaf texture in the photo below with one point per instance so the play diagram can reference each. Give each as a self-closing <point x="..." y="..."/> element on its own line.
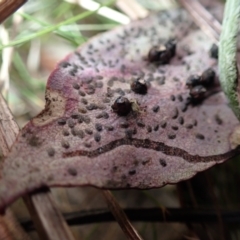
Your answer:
<point x="79" y="140"/>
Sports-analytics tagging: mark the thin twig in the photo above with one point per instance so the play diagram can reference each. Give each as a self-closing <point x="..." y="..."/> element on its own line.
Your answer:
<point x="48" y="219"/>
<point x="120" y="216"/>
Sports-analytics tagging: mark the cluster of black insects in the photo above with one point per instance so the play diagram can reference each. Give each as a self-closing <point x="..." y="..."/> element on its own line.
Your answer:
<point x="159" y="54"/>
<point x="162" y="54"/>
<point x="198" y="84"/>
<point x="122" y="106"/>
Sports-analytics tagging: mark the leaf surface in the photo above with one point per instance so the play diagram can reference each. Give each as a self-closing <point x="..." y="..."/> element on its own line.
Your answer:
<point x="78" y="140"/>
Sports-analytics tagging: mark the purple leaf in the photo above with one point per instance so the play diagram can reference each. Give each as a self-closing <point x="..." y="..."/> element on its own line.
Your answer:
<point x="80" y="138"/>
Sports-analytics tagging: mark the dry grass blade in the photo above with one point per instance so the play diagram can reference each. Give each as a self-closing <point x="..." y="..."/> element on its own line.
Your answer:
<point x="120" y="216"/>
<point x="10" y="228"/>
<point x="8" y="7"/>
<point x="132" y="9"/>
<point x="203" y="18"/>
<point x="49" y="221"/>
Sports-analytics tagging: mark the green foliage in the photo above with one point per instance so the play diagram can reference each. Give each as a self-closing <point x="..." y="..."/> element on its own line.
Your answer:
<point x="227" y="54"/>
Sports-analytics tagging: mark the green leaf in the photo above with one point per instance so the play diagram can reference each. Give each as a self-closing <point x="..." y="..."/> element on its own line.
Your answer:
<point x="227" y="54"/>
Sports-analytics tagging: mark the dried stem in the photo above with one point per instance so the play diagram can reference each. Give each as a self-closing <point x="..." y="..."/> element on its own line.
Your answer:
<point x="8" y="7"/>
<point x="120" y="216"/>
<point x="180" y="215"/>
<point x="203" y="18"/>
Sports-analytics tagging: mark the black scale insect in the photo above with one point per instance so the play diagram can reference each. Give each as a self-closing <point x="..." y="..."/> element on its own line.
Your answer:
<point x="122" y="106"/>
<point x="162" y="54"/>
<point x="139" y="86"/>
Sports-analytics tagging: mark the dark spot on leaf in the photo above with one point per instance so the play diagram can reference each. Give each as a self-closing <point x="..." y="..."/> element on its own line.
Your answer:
<point x="155" y="108"/>
<point x="129" y="133"/>
<point x="208" y="77"/>
<point x="79" y="133"/>
<point x="171" y="135"/>
<point x="106" y="100"/>
<point x="163" y="124"/>
<point x="51" y="152"/>
<point x="92" y="106"/>
<point x="124" y="125"/>
<point x="82" y="110"/>
<point x="200" y="136"/>
<point x="174" y="114"/>
<point x="114" y="169"/>
<point x="61" y="121"/>
<point x="105" y="115"/>
<point x="88" y="131"/>
<point x="184" y="107"/>
<point x="218" y="120"/>
<point x="73" y="131"/>
<point x="140" y="124"/>
<point x="172" y="97"/>
<point x="64" y="64"/>
<point x="65" y="132"/>
<point x="76" y="86"/>
<point x="132" y="172"/>
<point x="99" y="77"/>
<point x="75" y="115"/>
<point x="180" y="98"/>
<point x="175" y="128"/>
<point x="71" y="123"/>
<point x="97" y="137"/>
<point x="65" y="144"/>
<point x="161" y="80"/>
<point x="109" y="128"/>
<point x="181" y="120"/>
<point x="162" y="162"/>
<point x="98" y="116"/>
<point x="120" y="91"/>
<point x="99" y="84"/>
<point x="98" y="127"/>
<point x="81" y="93"/>
<point x="149" y="128"/>
<point x="110" y="82"/>
<point x="90" y="91"/>
<point x="84" y="101"/>
<point x="214" y="51"/>
<point x="156" y="127"/>
<point x="86" y="119"/>
<point x="72" y="171"/>
<point x="34" y="141"/>
<point x="195" y="122"/>
<point x="144" y="162"/>
<point x="189" y="126"/>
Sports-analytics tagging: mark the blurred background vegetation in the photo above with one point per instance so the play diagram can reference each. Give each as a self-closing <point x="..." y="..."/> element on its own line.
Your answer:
<point x="32" y="41"/>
